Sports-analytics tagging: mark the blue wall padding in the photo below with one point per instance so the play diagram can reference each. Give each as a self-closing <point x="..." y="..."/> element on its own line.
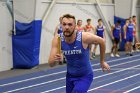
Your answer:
<point x="122" y="44"/>
<point x="26" y="44"/>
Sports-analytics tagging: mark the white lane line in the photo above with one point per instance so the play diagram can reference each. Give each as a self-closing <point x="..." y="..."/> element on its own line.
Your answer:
<point x="31" y="79"/>
<point x="60" y="72"/>
<point x="132" y="89"/>
<point x="114" y="77"/>
<point x="124" y="68"/>
<point x="116" y="72"/>
<point x="93" y="78"/>
<point x="124" y="88"/>
<point x="96" y="87"/>
<point x="114" y="82"/>
<point x="61" y="79"/>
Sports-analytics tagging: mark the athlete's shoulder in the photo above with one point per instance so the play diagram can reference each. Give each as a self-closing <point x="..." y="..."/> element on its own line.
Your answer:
<point x="113" y="26"/>
<point x="104" y="27"/>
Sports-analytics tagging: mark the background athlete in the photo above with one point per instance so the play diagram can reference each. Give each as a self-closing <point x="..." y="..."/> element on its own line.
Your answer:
<point x="116" y="37"/>
<point x="100" y="31"/>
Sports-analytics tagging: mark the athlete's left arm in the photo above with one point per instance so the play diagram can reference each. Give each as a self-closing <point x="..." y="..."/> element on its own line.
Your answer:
<point x="89" y="39"/>
<point x="104" y="33"/>
<point x="135" y="27"/>
<point x="94" y="29"/>
<point x="120" y="35"/>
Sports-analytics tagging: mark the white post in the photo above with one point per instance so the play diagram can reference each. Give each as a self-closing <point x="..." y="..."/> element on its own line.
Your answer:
<point x="133" y="7"/>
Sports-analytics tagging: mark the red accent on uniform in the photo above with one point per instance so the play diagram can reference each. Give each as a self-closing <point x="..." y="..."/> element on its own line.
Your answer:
<point x="88" y="27"/>
<point x="134" y="32"/>
<point x="80" y="28"/>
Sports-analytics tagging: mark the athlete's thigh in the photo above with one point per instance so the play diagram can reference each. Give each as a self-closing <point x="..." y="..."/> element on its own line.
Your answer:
<point x="83" y="84"/>
<point x="69" y="84"/>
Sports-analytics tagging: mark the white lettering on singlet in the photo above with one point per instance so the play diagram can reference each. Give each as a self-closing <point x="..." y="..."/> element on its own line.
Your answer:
<point x="71" y="52"/>
<point x="118" y="28"/>
<point x="130" y="26"/>
<point x="100" y="29"/>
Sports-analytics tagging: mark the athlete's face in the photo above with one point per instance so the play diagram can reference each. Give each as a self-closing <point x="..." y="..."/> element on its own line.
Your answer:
<point x="79" y="23"/>
<point x="100" y="23"/>
<point x="130" y="20"/>
<point x="88" y="22"/>
<point x="134" y="19"/>
<point x="68" y="26"/>
<point x="127" y="21"/>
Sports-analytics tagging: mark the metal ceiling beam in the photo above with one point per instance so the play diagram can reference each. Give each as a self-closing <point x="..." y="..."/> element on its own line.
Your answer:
<point x="100" y="10"/>
<point x="47" y="12"/>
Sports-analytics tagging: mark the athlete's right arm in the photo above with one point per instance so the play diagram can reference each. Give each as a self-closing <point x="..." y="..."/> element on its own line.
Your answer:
<point x="54" y="56"/>
<point x="124" y="29"/>
<point x="56" y="30"/>
<point x="85" y="29"/>
<point x="89" y="39"/>
<point x="112" y="29"/>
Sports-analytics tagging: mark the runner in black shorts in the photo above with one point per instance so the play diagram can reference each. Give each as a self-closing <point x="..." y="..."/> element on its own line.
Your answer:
<point x="116" y="41"/>
<point x="116" y="37"/>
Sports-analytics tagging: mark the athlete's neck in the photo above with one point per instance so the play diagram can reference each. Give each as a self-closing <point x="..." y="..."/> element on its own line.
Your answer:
<point x="79" y="26"/>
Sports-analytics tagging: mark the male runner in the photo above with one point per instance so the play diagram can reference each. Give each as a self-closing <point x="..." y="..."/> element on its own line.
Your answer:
<point x="135" y="33"/>
<point x="58" y="28"/>
<point x="100" y="31"/>
<point x="75" y="47"/>
<point x="91" y="29"/>
<point x="128" y="35"/>
<point x="79" y="26"/>
<point x="116" y="37"/>
<point x="124" y="28"/>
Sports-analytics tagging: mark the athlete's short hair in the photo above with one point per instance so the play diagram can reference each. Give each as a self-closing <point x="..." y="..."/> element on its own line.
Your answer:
<point x="133" y="16"/>
<point x="69" y="16"/>
<point x="119" y="21"/>
<point x="78" y="21"/>
<point x="99" y="20"/>
<point x="88" y="20"/>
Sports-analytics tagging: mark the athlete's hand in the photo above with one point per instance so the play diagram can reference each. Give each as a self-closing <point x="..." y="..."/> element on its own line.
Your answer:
<point x="112" y="38"/>
<point x="58" y="58"/>
<point x="105" y="67"/>
<point x="120" y="40"/>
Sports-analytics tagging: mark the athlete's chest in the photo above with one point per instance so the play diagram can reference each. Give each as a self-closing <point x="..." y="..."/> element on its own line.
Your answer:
<point x="72" y="49"/>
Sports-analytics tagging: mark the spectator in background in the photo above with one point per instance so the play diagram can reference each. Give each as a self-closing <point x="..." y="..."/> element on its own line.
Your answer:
<point x="100" y="31"/>
<point x="124" y="27"/>
<point x="135" y="33"/>
<point x="128" y="35"/>
<point x="91" y="29"/>
<point x="79" y="26"/>
<point x="58" y="28"/>
<point x="116" y="38"/>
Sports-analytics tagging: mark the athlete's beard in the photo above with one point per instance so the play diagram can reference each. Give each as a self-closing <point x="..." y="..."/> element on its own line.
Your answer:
<point x="70" y="33"/>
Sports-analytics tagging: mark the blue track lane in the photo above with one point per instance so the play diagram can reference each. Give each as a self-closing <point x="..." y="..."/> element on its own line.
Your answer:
<point x="117" y="81"/>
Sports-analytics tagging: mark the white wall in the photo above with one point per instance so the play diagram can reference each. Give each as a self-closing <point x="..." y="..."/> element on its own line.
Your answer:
<point x="24" y="10"/>
<point x="123" y="8"/>
<point x="134" y="4"/>
<point x="6" y="61"/>
<point x="81" y="11"/>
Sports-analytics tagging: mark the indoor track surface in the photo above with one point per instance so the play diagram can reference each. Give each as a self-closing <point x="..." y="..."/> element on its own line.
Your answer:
<point x="123" y="78"/>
